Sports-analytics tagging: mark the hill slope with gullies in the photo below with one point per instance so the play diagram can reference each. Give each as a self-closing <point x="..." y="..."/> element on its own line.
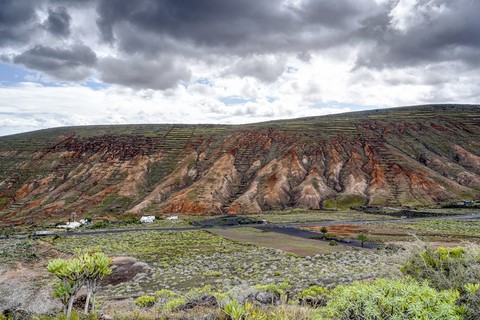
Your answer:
<point x="410" y="156"/>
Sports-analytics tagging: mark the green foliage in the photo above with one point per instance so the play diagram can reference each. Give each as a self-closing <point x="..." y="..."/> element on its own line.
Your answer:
<point x="3" y="201"/>
<point x="100" y="224"/>
<point x="253" y="314"/>
<point x="63" y="291"/>
<point x="314" y="291"/>
<point x="74" y="316"/>
<point x="391" y="299"/>
<point x="472" y="288"/>
<point x="96" y="267"/>
<point x="145" y="301"/>
<point x="165" y="293"/>
<point x="344" y="202"/>
<point x="324" y="231"/>
<point x="130" y="219"/>
<point x="113" y="203"/>
<point x="14" y="250"/>
<point x="444" y="268"/>
<point x="470" y="301"/>
<point x="85" y="269"/>
<point x="333" y="243"/>
<point x="275" y="289"/>
<point x="152" y="246"/>
<point x="314" y="296"/>
<point x="234" y="310"/>
<point x="288" y="312"/>
<point x="362" y="238"/>
<point x="173" y="304"/>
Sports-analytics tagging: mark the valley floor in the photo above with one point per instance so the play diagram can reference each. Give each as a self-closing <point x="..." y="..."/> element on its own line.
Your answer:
<point x="225" y="258"/>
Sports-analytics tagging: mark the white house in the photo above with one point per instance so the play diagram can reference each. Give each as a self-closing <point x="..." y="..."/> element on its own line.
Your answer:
<point x="70" y="225"/>
<point x="147" y="219"/>
<point x="172" y="218"/>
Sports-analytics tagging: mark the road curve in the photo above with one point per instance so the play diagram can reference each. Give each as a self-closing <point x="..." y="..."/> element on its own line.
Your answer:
<point x="284" y="228"/>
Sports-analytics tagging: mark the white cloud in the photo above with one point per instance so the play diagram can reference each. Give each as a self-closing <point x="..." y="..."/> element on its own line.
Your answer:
<point x="411" y="13"/>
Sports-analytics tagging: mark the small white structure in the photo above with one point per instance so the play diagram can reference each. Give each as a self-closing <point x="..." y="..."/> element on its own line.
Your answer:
<point x="85" y="222"/>
<point x="70" y="225"/>
<point x="147" y="219"/>
<point x="172" y="218"/>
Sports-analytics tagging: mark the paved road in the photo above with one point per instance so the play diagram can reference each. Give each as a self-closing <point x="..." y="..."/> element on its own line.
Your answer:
<point x="285" y="228"/>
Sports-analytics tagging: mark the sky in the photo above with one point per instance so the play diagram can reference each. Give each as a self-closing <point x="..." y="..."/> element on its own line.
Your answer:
<point x="79" y="62"/>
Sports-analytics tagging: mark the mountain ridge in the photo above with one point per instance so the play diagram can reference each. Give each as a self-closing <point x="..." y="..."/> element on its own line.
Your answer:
<point x="406" y="156"/>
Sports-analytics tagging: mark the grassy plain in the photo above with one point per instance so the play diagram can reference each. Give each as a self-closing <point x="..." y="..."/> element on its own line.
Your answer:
<point x="189" y="259"/>
<point x="286" y="243"/>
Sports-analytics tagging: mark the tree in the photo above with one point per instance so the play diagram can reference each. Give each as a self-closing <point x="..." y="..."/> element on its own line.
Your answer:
<point x="324" y="232"/>
<point x="362" y="238"/>
<point x="86" y="269"/>
<point x="71" y="274"/>
<point x="96" y="266"/>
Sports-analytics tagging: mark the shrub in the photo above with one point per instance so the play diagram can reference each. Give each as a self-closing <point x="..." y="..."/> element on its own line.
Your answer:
<point x="279" y="290"/>
<point x="314" y="296"/>
<point x="362" y="238"/>
<point x="100" y="224"/>
<point x="333" y="243"/>
<point x="391" y="299"/>
<point x="444" y="268"/>
<point x="173" y="304"/>
<point x="470" y="301"/>
<point x="165" y="293"/>
<point x="288" y="312"/>
<point x="130" y="219"/>
<point x="145" y="301"/>
<point x="449" y="268"/>
<point x="234" y="310"/>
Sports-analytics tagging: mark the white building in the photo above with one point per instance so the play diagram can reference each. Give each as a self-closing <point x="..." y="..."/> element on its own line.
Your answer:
<point x="147" y="219"/>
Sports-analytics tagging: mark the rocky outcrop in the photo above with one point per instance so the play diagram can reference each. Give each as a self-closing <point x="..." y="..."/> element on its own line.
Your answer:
<point x="414" y="156"/>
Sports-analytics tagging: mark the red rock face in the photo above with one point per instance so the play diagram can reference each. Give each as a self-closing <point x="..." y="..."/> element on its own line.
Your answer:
<point x="401" y="157"/>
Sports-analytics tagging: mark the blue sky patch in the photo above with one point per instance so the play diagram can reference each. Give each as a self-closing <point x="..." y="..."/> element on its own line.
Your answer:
<point x="235" y="100"/>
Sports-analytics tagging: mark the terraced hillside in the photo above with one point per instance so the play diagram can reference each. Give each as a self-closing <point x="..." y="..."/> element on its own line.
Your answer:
<point x="411" y="156"/>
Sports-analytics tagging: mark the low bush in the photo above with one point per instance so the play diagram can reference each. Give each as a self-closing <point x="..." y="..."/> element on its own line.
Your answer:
<point x="100" y="224"/>
<point x="276" y="290"/>
<point x="391" y="299"/>
<point x="234" y="310"/>
<point x="173" y="304"/>
<point x="130" y="219"/>
<point x="449" y="268"/>
<point x="314" y="296"/>
<point x="444" y="268"/>
<point x="145" y="301"/>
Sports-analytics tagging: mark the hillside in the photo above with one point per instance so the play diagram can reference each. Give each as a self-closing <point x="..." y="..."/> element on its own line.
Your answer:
<point x="410" y="156"/>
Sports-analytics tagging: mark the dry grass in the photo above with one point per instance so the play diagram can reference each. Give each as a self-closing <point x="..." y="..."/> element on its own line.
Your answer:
<point x="299" y="246"/>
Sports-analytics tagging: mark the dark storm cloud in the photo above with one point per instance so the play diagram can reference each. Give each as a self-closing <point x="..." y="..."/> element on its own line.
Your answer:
<point x="58" y="21"/>
<point x="266" y="69"/>
<point x="72" y="3"/>
<point x="72" y="63"/>
<point x="335" y="14"/>
<point x="451" y="33"/>
<point x="18" y="20"/>
<point x="207" y="23"/>
<point x="230" y="26"/>
<point x="209" y="31"/>
<point x="138" y="73"/>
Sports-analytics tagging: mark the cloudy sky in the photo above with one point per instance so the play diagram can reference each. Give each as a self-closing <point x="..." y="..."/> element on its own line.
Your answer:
<point x="75" y="62"/>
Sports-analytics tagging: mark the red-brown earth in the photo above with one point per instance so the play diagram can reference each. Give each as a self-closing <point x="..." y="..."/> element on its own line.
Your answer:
<point x="414" y="156"/>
